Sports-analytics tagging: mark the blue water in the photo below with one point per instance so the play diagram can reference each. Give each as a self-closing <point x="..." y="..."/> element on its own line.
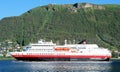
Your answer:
<point x="59" y="66"/>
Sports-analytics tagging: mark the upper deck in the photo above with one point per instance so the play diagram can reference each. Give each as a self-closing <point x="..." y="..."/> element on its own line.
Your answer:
<point x="43" y="43"/>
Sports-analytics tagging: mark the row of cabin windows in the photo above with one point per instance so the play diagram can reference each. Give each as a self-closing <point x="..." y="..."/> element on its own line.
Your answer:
<point x="40" y="49"/>
<point x="45" y="54"/>
<point x="40" y="54"/>
<point x="78" y="47"/>
<point x="36" y="54"/>
<point x="42" y="45"/>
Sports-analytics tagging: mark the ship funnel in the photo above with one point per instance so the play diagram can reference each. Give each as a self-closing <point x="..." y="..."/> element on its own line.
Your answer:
<point x="82" y="42"/>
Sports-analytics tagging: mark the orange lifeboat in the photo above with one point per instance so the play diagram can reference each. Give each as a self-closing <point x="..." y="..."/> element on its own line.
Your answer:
<point x="62" y="49"/>
<point x="58" y="49"/>
<point x="66" y="49"/>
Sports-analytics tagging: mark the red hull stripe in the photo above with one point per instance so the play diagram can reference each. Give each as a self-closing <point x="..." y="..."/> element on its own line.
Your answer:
<point x="60" y="56"/>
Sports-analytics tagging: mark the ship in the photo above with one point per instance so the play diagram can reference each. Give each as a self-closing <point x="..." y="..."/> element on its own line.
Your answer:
<point x="49" y="51"/>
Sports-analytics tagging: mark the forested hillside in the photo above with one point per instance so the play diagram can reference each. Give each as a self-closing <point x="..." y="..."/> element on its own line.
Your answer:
<point x="98" y="24"/>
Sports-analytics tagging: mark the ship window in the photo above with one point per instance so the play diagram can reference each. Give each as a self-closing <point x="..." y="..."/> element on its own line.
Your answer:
<point x="82" y="47"/>
<point x="73" y="47"/>
<point x="81" y="51"/>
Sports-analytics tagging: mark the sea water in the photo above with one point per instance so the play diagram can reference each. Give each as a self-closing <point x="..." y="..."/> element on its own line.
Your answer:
<point x="59" y="66"/>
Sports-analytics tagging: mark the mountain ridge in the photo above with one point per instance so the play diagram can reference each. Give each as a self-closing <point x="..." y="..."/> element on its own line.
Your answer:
<point x="97" y="23"/>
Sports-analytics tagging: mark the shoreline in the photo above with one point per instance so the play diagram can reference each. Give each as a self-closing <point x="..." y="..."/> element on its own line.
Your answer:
<point x="6" y="58"/>
<point x="112" y="59"/>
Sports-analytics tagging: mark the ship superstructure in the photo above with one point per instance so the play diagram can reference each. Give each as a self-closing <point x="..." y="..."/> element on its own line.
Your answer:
<point x="49" y="51"/>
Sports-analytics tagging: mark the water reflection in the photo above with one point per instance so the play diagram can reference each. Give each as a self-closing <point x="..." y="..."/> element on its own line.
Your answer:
<point x="60" y="66"/>
<point x="115" y="66"/>
<point x="82" y="66"/>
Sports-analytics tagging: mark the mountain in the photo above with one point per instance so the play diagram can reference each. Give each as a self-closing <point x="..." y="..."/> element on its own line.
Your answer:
<point x="98" y="24"/>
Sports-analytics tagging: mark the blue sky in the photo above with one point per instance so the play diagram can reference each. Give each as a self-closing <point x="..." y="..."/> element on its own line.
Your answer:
<point x="10" y="8"/>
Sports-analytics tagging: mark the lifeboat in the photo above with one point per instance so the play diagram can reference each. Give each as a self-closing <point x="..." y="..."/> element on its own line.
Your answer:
<point x="66" y="49"/>
<point x="62" y="49"/>
<point x="58" y="49"/>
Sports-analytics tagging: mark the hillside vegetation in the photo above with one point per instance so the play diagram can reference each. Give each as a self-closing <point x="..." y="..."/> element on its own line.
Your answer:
<point x="98" y="24"/>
